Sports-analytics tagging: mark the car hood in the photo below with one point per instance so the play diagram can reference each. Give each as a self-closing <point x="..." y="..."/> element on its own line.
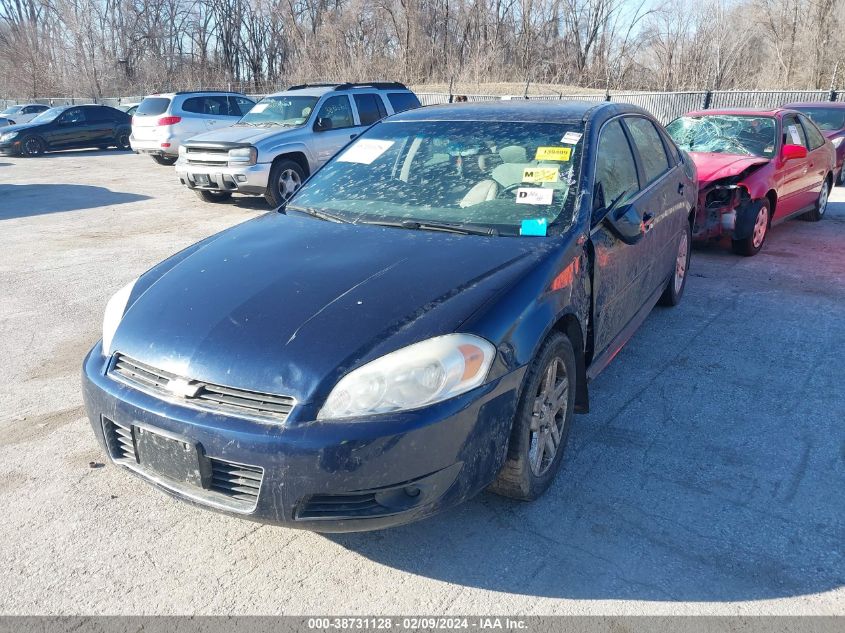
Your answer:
<point x="20" y="127"/>
<point x="284" y="304"/>
<point x="715" y="166"/>
<point x="240" y="134"/>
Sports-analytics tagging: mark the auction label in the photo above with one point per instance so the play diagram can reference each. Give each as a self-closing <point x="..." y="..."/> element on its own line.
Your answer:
<point x="534" y="195"/>
<point x="540" y="174"/>
<point x="365" y="151"/>
<point x="553" y="153"/>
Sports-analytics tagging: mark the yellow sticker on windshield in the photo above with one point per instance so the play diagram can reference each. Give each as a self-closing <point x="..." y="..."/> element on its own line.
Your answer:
<point x="553" y="153"/>
<point x="540" y="174"/>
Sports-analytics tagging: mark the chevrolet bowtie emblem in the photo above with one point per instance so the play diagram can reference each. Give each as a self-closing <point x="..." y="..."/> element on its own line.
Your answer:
<point x="182" y="387"/>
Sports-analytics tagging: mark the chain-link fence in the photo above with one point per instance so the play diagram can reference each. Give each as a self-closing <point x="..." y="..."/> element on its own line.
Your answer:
<point x="664" y="105"/>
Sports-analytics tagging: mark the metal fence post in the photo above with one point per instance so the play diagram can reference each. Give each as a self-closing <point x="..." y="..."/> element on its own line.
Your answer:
<point x="708" y="96"/>
<point x="832" y="95"/>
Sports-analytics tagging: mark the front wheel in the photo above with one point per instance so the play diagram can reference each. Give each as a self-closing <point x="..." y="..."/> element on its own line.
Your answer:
<point x="286" y="178"/>
<point x="213" y="196"/>
<point x="752" y="244"/>
<point x="542" y="422"/>
<point x="678" y="281"/>
<point x="817" y="212"/>
<point x="32" y="146"/>
<point x="165" y="160"/>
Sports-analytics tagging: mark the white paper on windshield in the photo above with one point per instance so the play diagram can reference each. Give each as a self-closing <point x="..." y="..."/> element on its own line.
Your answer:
<point x="259" y="107"/>
<point x="571" y="138"/>
<point x="534" y="195"/>
<point x="793" y="132"/>
<point x="365" y="151"/>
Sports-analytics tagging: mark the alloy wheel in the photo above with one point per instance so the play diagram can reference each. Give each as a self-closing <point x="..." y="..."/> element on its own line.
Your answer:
<point x="681" y="263"/>
<point x="32" y="146"/>
<point x="289" y="183"/>
<point x="548" y="417"/>
<point x="823" y="196"/>
<point x="761" y="225"/>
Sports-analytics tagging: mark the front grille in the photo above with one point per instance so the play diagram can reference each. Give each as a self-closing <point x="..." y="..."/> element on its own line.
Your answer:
<point x="206" y="150"/>
<point x="236" y="481"/>
<point x="204" y="395"/>
<point x="351" y="506"/>
<point x="208" y="163"/>
<point x="119" y="440"/>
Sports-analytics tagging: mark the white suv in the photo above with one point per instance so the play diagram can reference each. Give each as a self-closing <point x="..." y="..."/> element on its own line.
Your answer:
<point x="164" y="121"/>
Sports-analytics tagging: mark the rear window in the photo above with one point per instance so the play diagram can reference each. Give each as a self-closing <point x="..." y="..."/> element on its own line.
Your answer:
<point x="402" y="101"/>
<point x="152" y="106"/>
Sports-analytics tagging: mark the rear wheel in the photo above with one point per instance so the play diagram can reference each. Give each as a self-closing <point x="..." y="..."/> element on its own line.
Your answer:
<point x="821" y="205"/>
<point x="752" y="244"/>
<point x="678" y="281"/>
<point x="286" y="178"/>
<point x="164" y="160"/>
<point x="542" y="423"/>
<point x="213" y="196"/>
<point x="122" y="140"/>
<point x="32" y="146"/>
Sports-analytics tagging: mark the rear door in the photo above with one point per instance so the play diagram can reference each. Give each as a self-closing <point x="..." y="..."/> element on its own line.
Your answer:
<point x="334" y="126"/>
<point x="621" y="271"/>
<point x="100" y="125"/>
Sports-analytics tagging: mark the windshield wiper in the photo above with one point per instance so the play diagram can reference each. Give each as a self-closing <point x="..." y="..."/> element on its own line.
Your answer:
<point x="414" y="225"/>
<point x="317" y="213"/>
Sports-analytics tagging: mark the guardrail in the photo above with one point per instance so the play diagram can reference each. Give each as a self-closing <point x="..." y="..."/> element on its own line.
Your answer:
<point x="664" y="105"/>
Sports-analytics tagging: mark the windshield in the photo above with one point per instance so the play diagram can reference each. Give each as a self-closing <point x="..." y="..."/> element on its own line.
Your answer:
<point x="282" y="110"/>
<point x="500" y="175"/>
<point x="12" y="110"/>
<point x="48" y="115"/>
<point x="725" y="134"/>
<point x="827" y="119"/>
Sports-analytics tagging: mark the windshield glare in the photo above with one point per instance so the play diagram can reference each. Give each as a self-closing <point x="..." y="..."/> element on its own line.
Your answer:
<point x="488" y="174"/>
<point x="48" y="115"/>
<point x="725" y="134"/>
<point x="827" y="119"/>
<point x="282" y="110"/>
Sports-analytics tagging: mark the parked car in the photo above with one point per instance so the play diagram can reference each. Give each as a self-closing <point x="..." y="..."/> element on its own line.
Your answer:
<point x="67" y="127"/>
<point x="23" y="113"/>
<point x="164" y="121"/>
<point x="756" y="169"/>
<point x="830" y="119"/>
<point x="420" y="320"/>
<point x="5" y="122"/>
<point x="129" y="108"/>
<point x="284" y="138"/>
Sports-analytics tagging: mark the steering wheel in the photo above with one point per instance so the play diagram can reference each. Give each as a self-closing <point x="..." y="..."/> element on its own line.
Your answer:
<point x="510" y="189"/>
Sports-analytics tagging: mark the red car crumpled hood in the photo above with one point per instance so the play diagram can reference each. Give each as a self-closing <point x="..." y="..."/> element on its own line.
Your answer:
<point x="713" y="166"/>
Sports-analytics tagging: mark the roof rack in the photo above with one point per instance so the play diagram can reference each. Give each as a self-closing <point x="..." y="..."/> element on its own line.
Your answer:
<point x="378" y="85"/>
<point x="188" y="92"/>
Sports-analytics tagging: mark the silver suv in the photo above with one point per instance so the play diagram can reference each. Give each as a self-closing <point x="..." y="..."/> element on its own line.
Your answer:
<point x="164" y="121"/>
<point x="284" y="138"/>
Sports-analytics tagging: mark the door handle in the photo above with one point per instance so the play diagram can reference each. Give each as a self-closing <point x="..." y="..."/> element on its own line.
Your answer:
<point x="647" y="222"/>
<point x="681" y="188"/>
<point x="352" y="136"/>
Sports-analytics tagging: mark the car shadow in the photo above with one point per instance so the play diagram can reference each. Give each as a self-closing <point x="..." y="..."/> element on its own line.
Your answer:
<point x="74" y="153"/>
<point x="710" y="468"/>
<point x="20" y="201"/>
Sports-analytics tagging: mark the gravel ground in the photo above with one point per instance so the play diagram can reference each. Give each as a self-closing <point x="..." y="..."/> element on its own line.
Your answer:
<point x="709" y="478"/>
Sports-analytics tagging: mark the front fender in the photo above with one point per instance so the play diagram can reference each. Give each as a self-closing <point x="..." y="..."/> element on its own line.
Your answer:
<point x="272" y="151"/>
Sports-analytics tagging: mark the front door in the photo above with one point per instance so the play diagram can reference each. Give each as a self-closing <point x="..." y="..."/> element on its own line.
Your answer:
<point x="621" y="271"/>
<point x="334" y="127"/>
<point x="68" y="130"/>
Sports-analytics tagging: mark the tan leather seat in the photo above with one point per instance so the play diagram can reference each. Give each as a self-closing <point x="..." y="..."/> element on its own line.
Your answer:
<point x="480" y="192"/>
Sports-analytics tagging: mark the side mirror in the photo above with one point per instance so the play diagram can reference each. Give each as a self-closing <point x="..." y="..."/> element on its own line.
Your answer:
<point x="322" y="124"/>
<point x="791" y="152"/>
<point x="626" y="223"/>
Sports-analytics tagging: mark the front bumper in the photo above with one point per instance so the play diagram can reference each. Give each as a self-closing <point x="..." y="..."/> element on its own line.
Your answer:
<point x="724" y="211"/>
<point x="250" y="180"/>
<point x="10" y="148"/>
<point x="325" y="476"/>
<point x="155" y="147"/>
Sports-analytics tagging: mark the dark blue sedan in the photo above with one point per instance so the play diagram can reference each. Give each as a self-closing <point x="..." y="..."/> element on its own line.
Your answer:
<point x="418" y="323"/>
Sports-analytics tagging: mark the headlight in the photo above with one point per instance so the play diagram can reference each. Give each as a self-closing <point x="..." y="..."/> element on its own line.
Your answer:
<point x="243" y="156"/>
<point x="412" y="377"/>
<point x="114" y="313"/>
<point x="8" y="136"/>
<point x="837" y="141"/>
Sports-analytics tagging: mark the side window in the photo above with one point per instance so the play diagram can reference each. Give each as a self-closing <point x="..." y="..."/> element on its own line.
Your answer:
<point x="194" y="104"/>
<point x="368" y="108"/>
<point x="793" y="133"/>
<point x="336" y="113"/>
<point x="616" y="171"/>
<point x="242" y="105"/>
<point x="30" y="110"/>
<point x="814" y="137"/>
<point x="97" y="115"/>
<point x="650" y="147"/>
<point x="402" y="101"/>
<point x="76" y="115"/>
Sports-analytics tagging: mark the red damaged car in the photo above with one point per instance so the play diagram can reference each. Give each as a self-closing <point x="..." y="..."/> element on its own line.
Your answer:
<point x="756" y="168"/>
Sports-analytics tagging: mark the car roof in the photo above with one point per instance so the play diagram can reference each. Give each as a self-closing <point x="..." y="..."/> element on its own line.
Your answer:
<point x="833" y="105"/>
<point x="520" y="110"/>
<point x="170" y="95"/>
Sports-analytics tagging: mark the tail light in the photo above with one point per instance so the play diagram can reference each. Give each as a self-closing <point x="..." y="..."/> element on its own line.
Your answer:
<point x="169" y="120"/>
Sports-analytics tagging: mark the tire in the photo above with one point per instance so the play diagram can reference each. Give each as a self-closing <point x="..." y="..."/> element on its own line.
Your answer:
<point x="752" y="244"/>
<point x="165" y="160"/>
<point x="32" y="146"/>
<point x="286" y="177"/>
<point x="527" y="472"/>
<point x="841" y="179"/>
<point x="122" y="141"/>
<point x="213" y="196"/>
<point x="821" y="205"/>
<point x="678" y="281"/>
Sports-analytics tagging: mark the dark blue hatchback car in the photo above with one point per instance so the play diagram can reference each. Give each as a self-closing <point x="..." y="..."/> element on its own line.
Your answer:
<point x="417" y="323"/>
